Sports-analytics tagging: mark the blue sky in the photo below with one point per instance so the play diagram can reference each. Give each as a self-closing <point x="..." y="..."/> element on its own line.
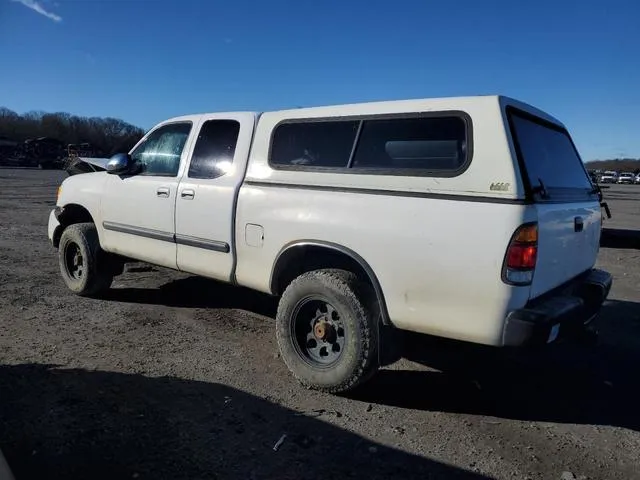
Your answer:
<point x="146" y="60"/>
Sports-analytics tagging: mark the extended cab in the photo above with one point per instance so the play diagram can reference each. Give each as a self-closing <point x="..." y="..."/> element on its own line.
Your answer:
<point x="467" y="218"/>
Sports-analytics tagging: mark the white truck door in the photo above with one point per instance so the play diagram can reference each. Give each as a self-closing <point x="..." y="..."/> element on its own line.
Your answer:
<point x="138" y="208"/>
<point x="207" y="194"/>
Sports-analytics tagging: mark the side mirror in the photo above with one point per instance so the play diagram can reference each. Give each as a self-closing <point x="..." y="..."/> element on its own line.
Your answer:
<point x="119" y="163"/>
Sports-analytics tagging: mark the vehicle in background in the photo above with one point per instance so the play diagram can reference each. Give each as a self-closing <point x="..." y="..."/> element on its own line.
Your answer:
<point x="7" y="149"/>
<point x="467" y="218"/>
<point x="626" y="177"/>
<point x="636" y="179"/>
<point x="609" y="176"/>
<point x="43" y="152"/>
<point x="82" y="150"/>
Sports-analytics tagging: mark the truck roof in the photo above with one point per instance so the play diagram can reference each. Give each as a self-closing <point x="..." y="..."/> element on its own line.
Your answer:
<point x="390" y="106"/>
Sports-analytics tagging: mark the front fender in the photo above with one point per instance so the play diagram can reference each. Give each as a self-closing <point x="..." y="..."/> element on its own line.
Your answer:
<point x="85" y="190"/>
<point x="81" y="193"/>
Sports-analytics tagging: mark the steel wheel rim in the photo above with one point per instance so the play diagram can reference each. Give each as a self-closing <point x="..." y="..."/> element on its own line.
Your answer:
<point x="74" y="261"/>
<point x="318" y="332"/>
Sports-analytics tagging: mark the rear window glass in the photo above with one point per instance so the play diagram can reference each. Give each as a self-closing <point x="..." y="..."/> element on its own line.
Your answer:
<point x="434" y="143"/>
<point x="550" y="159"/>
<point x="324" y="144"/>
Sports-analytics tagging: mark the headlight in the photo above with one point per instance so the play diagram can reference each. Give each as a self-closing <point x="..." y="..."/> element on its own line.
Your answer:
<point x="58" y="193"/>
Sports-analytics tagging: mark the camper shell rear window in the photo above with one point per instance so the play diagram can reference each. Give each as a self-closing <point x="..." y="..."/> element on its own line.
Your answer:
<point x="551" y="167"/>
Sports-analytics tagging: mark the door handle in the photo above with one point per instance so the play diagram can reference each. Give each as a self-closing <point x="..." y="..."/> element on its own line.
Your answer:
<point x="578" y="224"/>
<point x="163" y="192"/>
<point x="188" y="194"/>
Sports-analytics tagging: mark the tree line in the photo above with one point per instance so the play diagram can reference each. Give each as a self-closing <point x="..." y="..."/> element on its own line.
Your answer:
<point x="107" y="135"/>
<point x="619" y="165"/>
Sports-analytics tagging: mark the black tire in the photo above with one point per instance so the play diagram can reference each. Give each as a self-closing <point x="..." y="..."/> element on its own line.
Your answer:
<point x="353" y="304"/>
<point x="80" y="247"/>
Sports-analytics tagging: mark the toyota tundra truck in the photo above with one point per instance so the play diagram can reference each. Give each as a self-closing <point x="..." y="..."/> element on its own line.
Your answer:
<point x="467" y="218"/>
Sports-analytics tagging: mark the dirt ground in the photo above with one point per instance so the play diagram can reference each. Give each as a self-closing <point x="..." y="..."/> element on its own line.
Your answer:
<point x="178" y="377"/>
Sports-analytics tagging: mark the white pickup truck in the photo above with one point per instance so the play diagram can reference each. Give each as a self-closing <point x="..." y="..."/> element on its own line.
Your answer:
<point x="467" y="218"/>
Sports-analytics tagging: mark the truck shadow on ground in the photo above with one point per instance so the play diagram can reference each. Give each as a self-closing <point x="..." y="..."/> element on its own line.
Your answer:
<point x="198" y="292"/>
<point x="564" y="383"/>
<point x="72" y="424"/>
<point x="620" y="238"/>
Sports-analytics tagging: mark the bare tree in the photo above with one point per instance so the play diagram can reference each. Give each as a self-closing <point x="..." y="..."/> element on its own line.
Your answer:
<point x="106" y="135"/>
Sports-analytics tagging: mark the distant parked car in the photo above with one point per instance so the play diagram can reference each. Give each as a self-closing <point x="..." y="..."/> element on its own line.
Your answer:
<point x="637" y="179"/>
<point x="626" y="177"/>
<point x="609" y="176"/>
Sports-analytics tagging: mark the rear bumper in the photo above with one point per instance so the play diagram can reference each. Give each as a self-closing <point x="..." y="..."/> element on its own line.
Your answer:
<point x="546" y="319"/>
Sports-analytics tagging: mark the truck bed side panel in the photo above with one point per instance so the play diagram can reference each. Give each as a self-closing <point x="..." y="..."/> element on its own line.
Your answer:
<point x="438" y="261"/>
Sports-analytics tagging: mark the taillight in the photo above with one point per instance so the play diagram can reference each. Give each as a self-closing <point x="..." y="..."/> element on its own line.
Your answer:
<point x="520" y="260"/>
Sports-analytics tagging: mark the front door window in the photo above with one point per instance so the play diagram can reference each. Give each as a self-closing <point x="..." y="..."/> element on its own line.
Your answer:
<point x="159" y="154"/>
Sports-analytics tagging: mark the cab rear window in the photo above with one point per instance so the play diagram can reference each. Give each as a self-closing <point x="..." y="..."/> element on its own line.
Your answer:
<point x="550" y="160"/>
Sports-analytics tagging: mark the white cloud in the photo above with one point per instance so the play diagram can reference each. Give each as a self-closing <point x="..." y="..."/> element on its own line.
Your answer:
<point x="36" y="7"/>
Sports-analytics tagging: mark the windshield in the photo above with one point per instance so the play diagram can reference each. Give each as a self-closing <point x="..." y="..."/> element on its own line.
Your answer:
<point x="551" y="161"/>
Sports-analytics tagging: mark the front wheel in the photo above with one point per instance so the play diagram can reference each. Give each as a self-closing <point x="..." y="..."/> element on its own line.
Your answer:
<point x="327" y="330"/>
<point x="83" y="264"/>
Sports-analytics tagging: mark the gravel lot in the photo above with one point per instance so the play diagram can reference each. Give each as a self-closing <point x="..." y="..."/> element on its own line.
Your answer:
<point x="179" y="377"/>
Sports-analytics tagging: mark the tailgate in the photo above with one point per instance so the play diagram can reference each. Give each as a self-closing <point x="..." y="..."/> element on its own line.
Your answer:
<point x="565" y="200"/>
<point x="568" y="243"/>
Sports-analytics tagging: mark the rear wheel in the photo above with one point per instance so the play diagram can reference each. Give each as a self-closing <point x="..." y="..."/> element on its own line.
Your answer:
<point x="83" y="264"/>
<point x="327" y="330"/>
